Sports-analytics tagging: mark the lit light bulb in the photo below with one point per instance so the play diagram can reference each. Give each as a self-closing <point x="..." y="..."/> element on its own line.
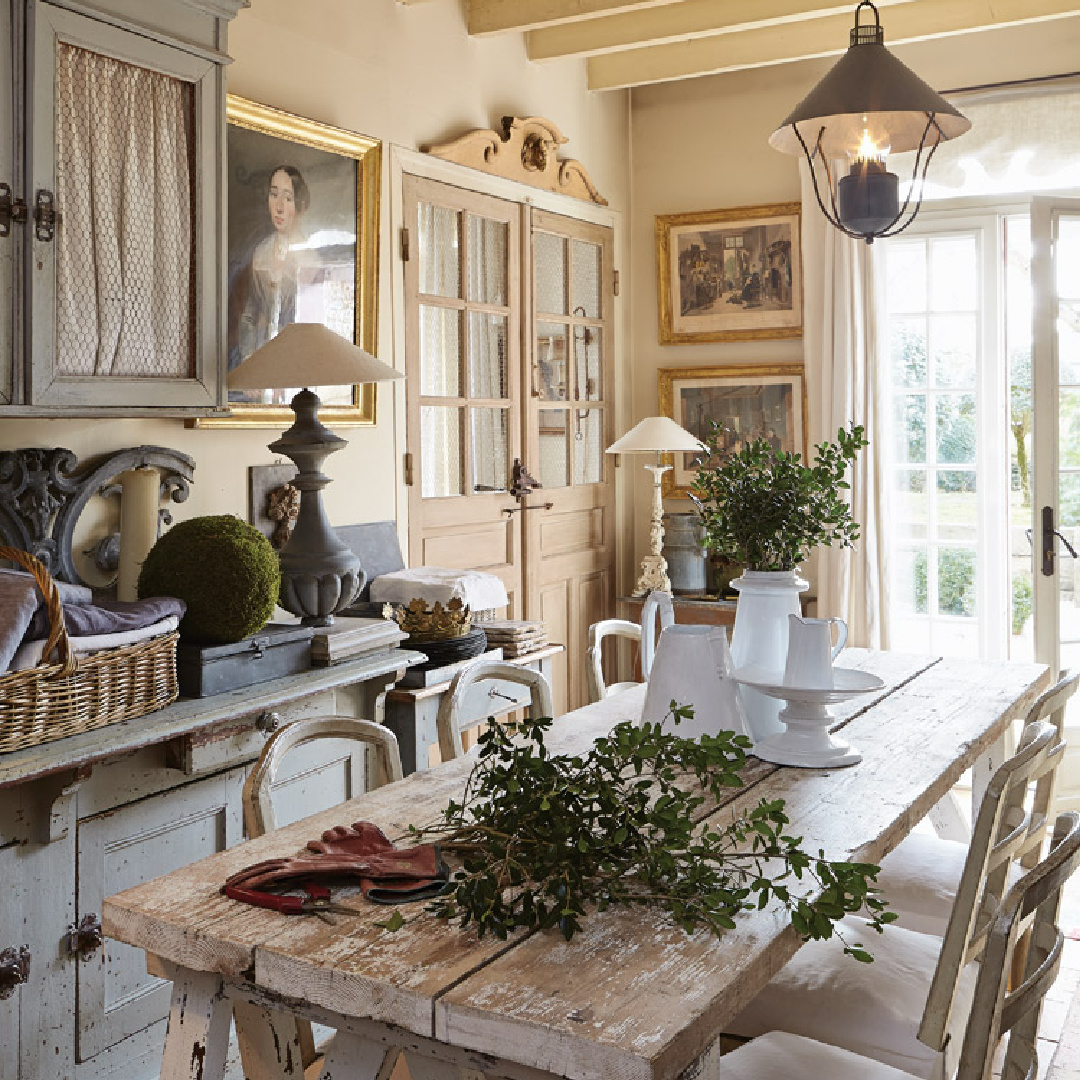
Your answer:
<point x="868" y="197"/>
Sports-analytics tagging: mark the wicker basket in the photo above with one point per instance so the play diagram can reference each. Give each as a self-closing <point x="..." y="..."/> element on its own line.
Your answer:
<point x="72" y="695"/>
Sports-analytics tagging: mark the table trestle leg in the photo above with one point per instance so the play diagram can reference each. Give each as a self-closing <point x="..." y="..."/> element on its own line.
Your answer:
<point x="197" y="1038"/>
<point x="352" y="1057"/>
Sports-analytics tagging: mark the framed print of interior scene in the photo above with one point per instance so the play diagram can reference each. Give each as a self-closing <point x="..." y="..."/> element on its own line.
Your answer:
<point x="303" y="212"/>
<point x="729" y="275"/>
<point x="748" y="402"/>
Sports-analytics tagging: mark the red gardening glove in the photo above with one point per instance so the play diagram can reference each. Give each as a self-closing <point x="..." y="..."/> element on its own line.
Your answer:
<point x="360" y="838"/>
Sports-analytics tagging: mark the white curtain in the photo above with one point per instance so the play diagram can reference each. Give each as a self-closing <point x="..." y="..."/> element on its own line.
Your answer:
<point x="845" y="375"/>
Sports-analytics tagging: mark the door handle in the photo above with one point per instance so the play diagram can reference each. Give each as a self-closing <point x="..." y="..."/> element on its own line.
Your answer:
<point x="1048" y="534"/>
<point x="509" y="510"/>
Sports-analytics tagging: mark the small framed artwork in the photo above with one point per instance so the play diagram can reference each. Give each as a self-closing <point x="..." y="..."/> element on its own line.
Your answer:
<point x="748" y="402"/>
<point x="729" y="275"/>
<point x="303" y="234"/>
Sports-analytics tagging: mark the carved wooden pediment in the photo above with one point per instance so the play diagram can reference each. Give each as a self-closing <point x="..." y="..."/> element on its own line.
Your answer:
<point x="525" y="150"/>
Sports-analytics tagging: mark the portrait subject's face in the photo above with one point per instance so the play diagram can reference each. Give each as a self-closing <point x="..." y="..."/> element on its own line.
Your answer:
<point x="282" y="203"/>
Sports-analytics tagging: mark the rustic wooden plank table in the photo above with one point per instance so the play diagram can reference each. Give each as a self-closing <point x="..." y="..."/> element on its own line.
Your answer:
<point x="630" y="998"/>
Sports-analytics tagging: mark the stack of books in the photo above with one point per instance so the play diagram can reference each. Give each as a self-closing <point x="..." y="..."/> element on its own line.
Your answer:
<point x="349" y="637"/>
<point x="516" y="637"/>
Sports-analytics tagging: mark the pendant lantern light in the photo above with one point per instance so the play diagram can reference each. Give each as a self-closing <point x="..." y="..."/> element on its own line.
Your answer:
<point x="868" y="105"/>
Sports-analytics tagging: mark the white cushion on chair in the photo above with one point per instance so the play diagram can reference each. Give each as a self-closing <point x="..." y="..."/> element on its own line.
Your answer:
<point x="781" y="1056"/>
<point x="870" y="1009"/>
<point x="919" y="879"/>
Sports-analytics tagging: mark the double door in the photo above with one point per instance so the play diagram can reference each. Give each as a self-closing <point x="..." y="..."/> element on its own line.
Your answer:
<point x="509" y="354"/>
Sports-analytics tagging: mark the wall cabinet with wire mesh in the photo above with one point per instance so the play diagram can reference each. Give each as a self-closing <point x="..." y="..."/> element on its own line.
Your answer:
<point x="110" y="206"/>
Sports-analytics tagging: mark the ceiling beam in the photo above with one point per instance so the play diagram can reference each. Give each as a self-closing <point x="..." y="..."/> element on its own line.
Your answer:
<point x="818" y="37"/>
<point x="688" y="20"/>
<point x="513" y="16"/>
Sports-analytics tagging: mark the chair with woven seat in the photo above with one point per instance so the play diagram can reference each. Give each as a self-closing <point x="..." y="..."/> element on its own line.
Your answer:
<point x="907" y="1009"/>
<point x="996" y="1012"/>
<point x="453" y="718"/>
<point x="643" y="634"/>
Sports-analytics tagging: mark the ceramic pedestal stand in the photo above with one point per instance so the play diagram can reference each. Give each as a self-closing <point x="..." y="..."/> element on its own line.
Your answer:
<point x="654" y="565"/>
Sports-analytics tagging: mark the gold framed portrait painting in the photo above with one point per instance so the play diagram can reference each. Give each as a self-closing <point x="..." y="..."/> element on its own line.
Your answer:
<point x="303" y="234"/>
<point x="729" y="275"/>
<point x="751" y="401"/>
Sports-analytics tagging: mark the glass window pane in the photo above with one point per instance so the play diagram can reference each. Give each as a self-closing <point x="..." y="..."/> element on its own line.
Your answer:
<point x="1067" y="257"/>
<point x="910" y="504"/>
<point x="957" y="504"/>
<point x="440" y="350"/>
<point x="1068" y="502"/>
<point x="489" y="442"/>
<point x="909" y="581"/>
<point x="554" y="458"/>
<point x="910" y="427"/>
<point x="487" y="260"/>
<point x="588" y="451"/>
<point x="550" y="273"/>
<point x="1068" y="343"/>
<point x="551" y="361"/>
<point x="440" y="450"/>
<point x="1069" y="428"/>
<point x="953" y="345"/>
<point x="956" y="429"/>
<point x="439" y="228"/>
<point x="487" y="355"/>
<point x="907" y="349"/>
<point x="954" y="283"/>
<point x="587" y="353"/>
<point x="906" y="275"/>
<point x="956" y="582"/>
<point x="585" y="283"/>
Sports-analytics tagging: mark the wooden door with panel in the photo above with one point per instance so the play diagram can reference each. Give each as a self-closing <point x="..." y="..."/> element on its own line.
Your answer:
<point x="570" y="544"/>
<point x="463" y="347"/>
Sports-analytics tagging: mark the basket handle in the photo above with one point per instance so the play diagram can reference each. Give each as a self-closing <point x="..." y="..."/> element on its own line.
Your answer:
<point x="58" y="635"/>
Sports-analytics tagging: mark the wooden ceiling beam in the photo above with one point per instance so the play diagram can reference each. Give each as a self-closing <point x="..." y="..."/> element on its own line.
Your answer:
<point x="688" y="20"/>
<point x="826" y="36"/>
<point x="514" y="16"/>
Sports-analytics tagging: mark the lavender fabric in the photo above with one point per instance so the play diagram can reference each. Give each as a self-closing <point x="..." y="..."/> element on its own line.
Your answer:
<point x="108" y="616"/>
<point x="19" y="600"/>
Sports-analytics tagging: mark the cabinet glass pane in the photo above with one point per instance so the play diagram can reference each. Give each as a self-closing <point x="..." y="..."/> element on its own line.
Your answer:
<point x="440" y="351"/>
<point x="554" y="458"/>
<point x="489" y="442"/>
<point x="487" y="261"/>
<point x="551" y="361"/>
<point x="588" y="451"/>
<point x="585" y="279"/>
<point x="439" y="228"/>
<point x="487" y="355"/>
<point x="124" y="247"/>
<point x="440" y="450"/>
<point x="550" y="273"/>
<point x="587" y="353"/>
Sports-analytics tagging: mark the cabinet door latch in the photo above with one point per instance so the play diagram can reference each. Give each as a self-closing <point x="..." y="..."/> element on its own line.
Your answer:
<point x="84" y="939"/>
<point x="46" y="216"/>
<point x="14" y="970"/>
<point x="11" y="210"/>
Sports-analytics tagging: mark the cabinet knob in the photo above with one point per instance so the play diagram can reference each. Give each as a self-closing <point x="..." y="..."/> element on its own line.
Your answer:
<point x="85" y="938"/>
<point x="14" y="970"/>
<point x="268" y="721"/>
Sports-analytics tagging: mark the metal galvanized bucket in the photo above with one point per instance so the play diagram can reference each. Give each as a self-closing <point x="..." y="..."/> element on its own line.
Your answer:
<point x="687" y="565"/>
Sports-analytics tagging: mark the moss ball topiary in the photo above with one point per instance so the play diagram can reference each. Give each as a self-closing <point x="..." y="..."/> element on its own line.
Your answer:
<point x="223" y="569"/>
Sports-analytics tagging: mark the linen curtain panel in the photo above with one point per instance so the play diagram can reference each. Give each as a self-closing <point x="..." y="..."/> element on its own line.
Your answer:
<point x="844" y="378"/>
<point x="124" y="246"/>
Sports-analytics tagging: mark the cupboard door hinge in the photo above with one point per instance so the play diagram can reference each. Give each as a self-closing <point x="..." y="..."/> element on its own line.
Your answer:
<point x="615" y="281"/>
<point x="404" y="243"/>
<point x="11" y="210"/>
<point x="46" y="216"/>
<point x="407" y="462"/>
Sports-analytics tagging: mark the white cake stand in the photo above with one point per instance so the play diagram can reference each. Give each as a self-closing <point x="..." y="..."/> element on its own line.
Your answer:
<point x="806" y="741"/>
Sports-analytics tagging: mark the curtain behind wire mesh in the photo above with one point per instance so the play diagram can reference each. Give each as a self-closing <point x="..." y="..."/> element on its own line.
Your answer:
<point x="124" y="245"/>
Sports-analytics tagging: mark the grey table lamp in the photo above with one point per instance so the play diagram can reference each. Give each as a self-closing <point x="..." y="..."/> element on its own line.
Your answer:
<point x="320" y="575"/>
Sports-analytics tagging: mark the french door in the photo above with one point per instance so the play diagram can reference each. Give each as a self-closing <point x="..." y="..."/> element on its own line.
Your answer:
<point x="509" y="368"/>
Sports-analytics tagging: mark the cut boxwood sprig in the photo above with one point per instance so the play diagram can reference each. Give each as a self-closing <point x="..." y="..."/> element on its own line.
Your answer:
<point x="543" y="838"/>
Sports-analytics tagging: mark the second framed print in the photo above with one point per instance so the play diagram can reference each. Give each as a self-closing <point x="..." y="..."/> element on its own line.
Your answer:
<point x="729" y="275"/>
<point x="752" y="401"/>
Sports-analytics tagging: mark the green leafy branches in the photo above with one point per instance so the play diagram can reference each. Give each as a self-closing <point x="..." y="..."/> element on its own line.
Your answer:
<point x="766" y="509"/>
<point x="542" y="838"/>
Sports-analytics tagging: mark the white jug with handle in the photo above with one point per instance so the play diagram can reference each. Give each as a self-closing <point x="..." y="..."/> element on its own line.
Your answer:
<point x="811" y="651"/>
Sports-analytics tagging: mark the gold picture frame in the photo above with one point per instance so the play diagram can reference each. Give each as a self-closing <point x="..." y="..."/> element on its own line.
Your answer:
<point x="750" y="400"/>
<point x="336" y="192"/>
<point x="729" y="275"/>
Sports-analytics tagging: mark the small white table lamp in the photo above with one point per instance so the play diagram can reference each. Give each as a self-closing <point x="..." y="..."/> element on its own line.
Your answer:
<point x="659" y="435"/>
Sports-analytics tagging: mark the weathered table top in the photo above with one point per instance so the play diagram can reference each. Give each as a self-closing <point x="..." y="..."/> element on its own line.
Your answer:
<point x="632" y="996"/>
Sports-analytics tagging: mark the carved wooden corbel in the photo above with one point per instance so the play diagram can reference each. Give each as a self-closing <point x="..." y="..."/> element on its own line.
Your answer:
<point x="525" y="150"/>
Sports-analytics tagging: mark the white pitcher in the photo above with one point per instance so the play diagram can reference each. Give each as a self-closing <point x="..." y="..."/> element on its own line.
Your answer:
<point x="811" y="651"/>
<point x="692" y="667"/>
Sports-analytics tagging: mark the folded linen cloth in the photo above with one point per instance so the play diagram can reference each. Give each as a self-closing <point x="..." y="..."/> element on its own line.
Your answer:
<point x="479" y="590"/>
<point x="29" y="654"/>
<point x="108" y="616"/>
<point x="19" y="599"/>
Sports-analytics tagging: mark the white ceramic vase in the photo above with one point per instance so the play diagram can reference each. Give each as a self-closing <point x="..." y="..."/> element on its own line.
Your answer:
<point x="759" y="641"/>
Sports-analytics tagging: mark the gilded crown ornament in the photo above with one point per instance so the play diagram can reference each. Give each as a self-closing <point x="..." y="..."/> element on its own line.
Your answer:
<point x="436" y="624"/>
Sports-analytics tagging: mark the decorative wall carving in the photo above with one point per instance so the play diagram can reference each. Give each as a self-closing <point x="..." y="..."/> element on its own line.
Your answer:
<point x="525" y="150"/>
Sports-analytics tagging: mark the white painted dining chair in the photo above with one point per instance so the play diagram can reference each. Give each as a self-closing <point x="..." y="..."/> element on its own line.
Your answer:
<point x="643" y="634"/>
<point x="908" y="1008"/>
<point x="453" y="718"/>
<point x="997" y="1011"/>
<point x="920" y="876"/>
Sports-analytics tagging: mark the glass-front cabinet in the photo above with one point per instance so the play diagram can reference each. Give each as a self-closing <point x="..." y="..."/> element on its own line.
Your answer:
<point x="110" y="246"/>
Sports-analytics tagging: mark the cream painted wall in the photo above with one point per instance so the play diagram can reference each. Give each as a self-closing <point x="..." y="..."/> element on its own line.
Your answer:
<point x="702" y="144"/>
<point x="408" y="75"/>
